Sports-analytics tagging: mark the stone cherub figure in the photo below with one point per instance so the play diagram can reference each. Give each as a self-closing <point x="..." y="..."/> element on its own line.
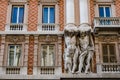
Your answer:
<point x="86" y="47"/>
<point x="71" y="51"/>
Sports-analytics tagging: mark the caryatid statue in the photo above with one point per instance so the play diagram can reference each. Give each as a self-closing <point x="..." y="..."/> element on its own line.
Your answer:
<point x="86" y="47"/>
<point x="71" y="51"/>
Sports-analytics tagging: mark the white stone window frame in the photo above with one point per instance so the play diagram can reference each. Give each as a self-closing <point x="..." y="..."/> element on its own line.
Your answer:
<point x="105" y="3"/>
<point x="7" y="53"/>
<point x="116" y="51"/>
<point x="40" y="7"/>
<point x="17" y="3"/>
<point x="55" y="52"/>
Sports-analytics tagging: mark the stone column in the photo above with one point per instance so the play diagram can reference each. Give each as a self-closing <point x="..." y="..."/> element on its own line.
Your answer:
<point x="35" y="54"/>
<point x="83" y="4"/>
<point x="97" y="47"/>
<point x="26" y="44"/>
<point x="2" y="53"/>
<point x="70" y="16"/>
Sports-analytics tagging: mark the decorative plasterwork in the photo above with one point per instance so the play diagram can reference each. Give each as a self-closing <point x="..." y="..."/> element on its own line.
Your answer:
<point x="18" y="1"/>
<point x="48" y="38"/>
<point x="48" y="1"/>
<point x="108" y="38"/>
<point x="15" y="39"/>
<point x="104" y="1"/>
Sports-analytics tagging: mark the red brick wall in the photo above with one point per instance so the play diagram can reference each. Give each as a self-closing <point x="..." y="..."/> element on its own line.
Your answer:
<point x="61" y="14"/>
<point x="30" y="55"/>
<point x="3" y="14"/>
<point x="92" y="12"/>
<point x="33" y="15"/>
<point x="117" y="7"/>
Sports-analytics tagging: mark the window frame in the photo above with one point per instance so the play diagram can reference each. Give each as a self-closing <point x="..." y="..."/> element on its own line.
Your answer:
<point x="55" y="52"/>
<point x="48" y="19"/>
<point x="6" y="56"/>
<point x="14" y="53"/>
<point x="18" y="6"/>
<point x="40" y="7"/>
<point x="97" y="4"/>
<point x="104" y="6"/>
<point x="9" y="11"/>
<point x="116" y="51"/>
<point x="48" y="45"/>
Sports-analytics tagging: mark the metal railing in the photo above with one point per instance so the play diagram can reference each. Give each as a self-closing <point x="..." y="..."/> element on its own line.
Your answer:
<point x="16" y="27"/>
<point x="106" y="21"/>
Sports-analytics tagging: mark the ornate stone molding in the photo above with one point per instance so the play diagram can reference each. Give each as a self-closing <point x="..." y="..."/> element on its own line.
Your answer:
<point x="15" y="39"/>
<point x="48" y="1"/>
<point x="48" y="38"/>
<point x="108" y="38"/>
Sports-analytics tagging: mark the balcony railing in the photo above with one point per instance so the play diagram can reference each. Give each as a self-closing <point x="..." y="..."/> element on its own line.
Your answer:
<point x="13" y="70"/>
<point x="47" y="70"/>
<point x="16" y="27"/>
<point x="112" y="67"/>
<point x="48" y="27"/>
<point x="107" y="21"/>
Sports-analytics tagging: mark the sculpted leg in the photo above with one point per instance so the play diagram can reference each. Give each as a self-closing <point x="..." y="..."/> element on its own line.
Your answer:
<point x="90" y="54"/>
<point x="75" y="61"/>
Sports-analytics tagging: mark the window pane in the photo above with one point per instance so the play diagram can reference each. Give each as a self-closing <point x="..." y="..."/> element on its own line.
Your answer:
<point x="47" y="56"/>
<point x="14" y="14"/>
<point x="104" y="48"/>
<point x="101" y="12"/>
<point x="11" y="56"/>
<point x="45" y="15"/>
<point x="112" y="49"/>
<point x="21" y="14"/>
<point x="105" y="59"/>
<point x="14" y="55"/>
<point x="52" y="15"/>
<point x="107" y="9"/>
<point x="113" y="59"/>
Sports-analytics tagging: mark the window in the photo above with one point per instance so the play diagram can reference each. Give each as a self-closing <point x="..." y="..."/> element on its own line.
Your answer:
<point x="17" y="15"/>
<point x="109" y="53"/>
<point x="48" y="14"/>
<point x="14" y="54"/>
<point x="104" y="11"/>
<point x="47" y="55"/>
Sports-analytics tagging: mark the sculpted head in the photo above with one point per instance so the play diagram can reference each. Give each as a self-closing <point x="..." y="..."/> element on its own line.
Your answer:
<point x="84" y="30"/>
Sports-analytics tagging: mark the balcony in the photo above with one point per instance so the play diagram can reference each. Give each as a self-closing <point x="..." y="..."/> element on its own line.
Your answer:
<point x="12" y="70"/>
<point x="109" y="68"/>
<point x="16" y="27"/>
<point x="48" y="28"/>
<point x="106" y="23"/>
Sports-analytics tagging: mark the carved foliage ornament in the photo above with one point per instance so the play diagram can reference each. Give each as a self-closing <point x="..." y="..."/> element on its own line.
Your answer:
<point x="108" y="38"/>
<point x="15" y="39"/>
<point x="48" y="38"/>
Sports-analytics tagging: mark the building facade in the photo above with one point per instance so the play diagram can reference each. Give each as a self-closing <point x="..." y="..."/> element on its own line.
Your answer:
<point x="32" y="38"/>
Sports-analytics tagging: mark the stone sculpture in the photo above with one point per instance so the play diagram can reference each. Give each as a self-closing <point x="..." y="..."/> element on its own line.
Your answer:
<point x="79" y="48"/>
<point x="71" y="52"/>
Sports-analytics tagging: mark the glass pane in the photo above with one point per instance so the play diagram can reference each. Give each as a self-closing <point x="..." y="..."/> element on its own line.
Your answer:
<point x="107" y="9"/>
<point x="112" y="49"/>
<point x="17" y="56"/>
<point x="44" y="55"/>
<point x="45" y="15"/>
<point x="104" y="48"/>
<point x="21" y="14"/>
<point x="51" y="55"/>
<point x="14" y="14"/>
<point x="47" y="56"/>
<point x="11" y="55"/>
<point x="52" y="15"/>
<point x="101" y="12"/>
<point x="105" y="59"/>
<point x="113" y="59"/>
